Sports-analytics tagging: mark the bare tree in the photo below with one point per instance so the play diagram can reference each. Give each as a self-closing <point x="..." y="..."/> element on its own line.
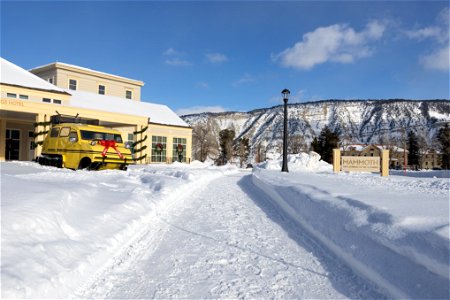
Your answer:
<point x="345" y="142"/>
<point x="203" y="141"/>
<point x="423" y="148"/>
<point x="242" y="150"/>
<point x="296" y="144"/>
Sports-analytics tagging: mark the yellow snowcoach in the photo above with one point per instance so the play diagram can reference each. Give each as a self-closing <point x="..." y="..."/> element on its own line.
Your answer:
<point x="76" y="145"/>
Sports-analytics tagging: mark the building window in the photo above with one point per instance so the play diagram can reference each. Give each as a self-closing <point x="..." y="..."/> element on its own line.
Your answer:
<point x="158" y="154"/>
<point x="101" y="89"/>
<point x="46" y="100"/>
<point x="23" y="97"/>
<point x="73" y="84"/>
<point x="128" y="94"/>
<point x="50" y="80"/>
<point x="56" y="101"/>
<point x="176" y="152"/>
<point x="11" y="95"/>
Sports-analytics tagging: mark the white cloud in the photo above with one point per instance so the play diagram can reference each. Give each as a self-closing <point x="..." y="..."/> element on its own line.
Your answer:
<point x="202" y="85"/>
<point x="216" y="58"/>
<point x="177" y="62"/>
<point x="171" y="52"/>
<point x="424" y="33"/>
<point x="247" y="78"/>
<point x="336" y="43"/>
<point x="437" y="60"/>
<point x="175" y="58"/>
<point x="199" y="109"/>
<point x="300" y="96"/>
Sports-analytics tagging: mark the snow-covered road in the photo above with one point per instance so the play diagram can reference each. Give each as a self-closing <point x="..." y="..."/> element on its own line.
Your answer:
<point x="225" y="240"/>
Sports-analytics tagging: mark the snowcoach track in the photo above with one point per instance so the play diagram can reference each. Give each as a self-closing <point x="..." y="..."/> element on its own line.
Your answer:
<point x="225" y="241"/>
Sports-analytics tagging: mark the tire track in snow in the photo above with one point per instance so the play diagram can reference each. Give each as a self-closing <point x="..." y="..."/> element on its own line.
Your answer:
<point x="226" y="241"/>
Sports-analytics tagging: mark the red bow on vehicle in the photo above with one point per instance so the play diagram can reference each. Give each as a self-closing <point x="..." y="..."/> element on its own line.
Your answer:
<point x="107" y="144"/>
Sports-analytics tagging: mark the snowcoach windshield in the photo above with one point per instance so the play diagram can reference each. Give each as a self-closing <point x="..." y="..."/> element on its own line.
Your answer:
<point x="94" y="135"/>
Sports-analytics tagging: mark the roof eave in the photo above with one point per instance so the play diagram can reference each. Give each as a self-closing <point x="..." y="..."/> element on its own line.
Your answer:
<point x="37" y="89"/>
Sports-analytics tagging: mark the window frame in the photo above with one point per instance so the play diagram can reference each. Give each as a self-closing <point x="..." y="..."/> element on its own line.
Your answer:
<point x="131" y="94"/>
<point x="175" y="142"/>
<point x="54" y="132"/>
<point x="71" y="84"/>
<point x="64" y="132"/>
<point x="155" y="156"/>
<point x="100" y="91"/>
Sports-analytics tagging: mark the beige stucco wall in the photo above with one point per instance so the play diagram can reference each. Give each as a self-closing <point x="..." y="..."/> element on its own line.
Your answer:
<point x="170" y="132"/>
<point x="89" y="81"/>
<point x="33" y="95"/>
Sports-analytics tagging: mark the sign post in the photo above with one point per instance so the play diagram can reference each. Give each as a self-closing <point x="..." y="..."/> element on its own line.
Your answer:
<point x="336" y="160"/>
<point x="385" y="163"/>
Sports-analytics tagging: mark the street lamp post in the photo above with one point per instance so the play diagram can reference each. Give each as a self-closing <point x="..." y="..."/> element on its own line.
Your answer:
<point x="285" y="94"/>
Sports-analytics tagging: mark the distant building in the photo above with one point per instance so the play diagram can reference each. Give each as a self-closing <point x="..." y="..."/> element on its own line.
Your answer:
<point x="431" y="159"/>
<point x="397" y="156"/>
<point x="28" y="102"/>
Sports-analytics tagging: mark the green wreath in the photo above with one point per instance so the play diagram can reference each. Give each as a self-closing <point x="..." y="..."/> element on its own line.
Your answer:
<point x="159" y="148"/>
<point x="180" y="148"/>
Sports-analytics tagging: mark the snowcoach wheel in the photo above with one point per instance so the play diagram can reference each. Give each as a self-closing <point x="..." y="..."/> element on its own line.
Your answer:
<point x="84" y="164"/>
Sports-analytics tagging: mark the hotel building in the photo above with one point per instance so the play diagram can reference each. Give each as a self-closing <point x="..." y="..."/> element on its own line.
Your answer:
<point x="30" y="98"/>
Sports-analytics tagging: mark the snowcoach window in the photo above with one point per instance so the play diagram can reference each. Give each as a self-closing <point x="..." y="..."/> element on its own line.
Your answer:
<point x="54" y="132"/>
<point x="64" y="132"/>
<point x="73" y="135"/>
<point x="93" y="135"/>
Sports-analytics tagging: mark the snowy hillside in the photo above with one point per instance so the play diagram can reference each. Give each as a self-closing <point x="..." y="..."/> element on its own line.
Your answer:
<point x="358" y="121"/>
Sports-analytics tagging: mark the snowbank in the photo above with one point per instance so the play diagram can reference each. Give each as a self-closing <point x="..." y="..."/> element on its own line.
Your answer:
<point x="392" y="231"/>
<point x="58" y="226"/>
<point x="299" y="162"/>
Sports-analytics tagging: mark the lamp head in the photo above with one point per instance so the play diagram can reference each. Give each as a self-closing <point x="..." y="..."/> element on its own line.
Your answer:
<point x="285" y="94"/>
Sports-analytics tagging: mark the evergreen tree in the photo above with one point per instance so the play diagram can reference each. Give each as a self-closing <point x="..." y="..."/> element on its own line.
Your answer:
<point x="226" y="138"/>
<point x="413" y="148"/>
<point x="315" y="145"/>
<point x="327" y="141"/>
<point x="443" y="137"/>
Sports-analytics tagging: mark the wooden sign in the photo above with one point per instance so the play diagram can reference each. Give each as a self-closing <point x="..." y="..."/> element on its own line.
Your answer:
<point x="360" y="164"/>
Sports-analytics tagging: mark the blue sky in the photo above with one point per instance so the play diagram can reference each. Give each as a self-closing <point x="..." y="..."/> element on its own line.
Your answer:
<point x="196" y="56"/>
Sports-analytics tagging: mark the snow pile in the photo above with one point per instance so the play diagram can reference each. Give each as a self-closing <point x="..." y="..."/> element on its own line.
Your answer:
<point x="59" y="226"/>
<point x="392" y="231"/>
<point x="422" y="173"/>
<point x="299" y="162"/>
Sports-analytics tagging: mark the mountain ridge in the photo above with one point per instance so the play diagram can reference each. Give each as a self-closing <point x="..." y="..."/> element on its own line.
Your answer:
<point x="358" y="121"/>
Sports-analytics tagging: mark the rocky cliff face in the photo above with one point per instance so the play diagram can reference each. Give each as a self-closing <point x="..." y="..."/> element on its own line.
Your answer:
<point x="358" y="121"/>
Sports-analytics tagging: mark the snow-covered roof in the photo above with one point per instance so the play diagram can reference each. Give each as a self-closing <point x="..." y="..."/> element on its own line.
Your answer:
<point x="15" y="75"/>
<point x="158" y="113"/>
<point x="361" y="147"/>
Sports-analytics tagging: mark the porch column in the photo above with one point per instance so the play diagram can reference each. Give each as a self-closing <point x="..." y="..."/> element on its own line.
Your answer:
<point x="40" y="118"/>
<point x="2" y="139"/>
